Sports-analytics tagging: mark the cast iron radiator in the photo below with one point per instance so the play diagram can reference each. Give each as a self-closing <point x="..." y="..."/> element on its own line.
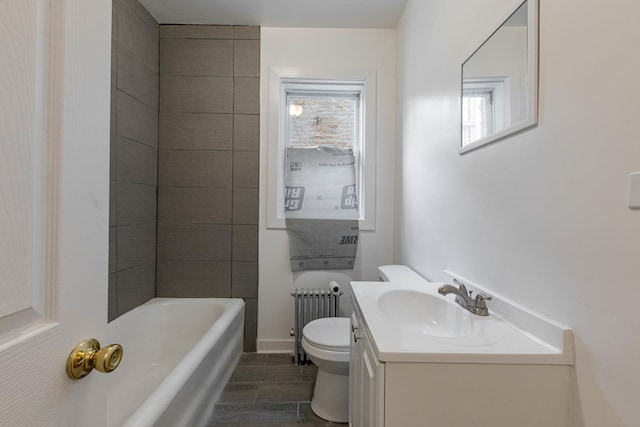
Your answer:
<point x="311" y="304"/>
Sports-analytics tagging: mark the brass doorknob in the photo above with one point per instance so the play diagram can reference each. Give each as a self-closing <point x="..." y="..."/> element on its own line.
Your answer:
<point x="88" y="355"/>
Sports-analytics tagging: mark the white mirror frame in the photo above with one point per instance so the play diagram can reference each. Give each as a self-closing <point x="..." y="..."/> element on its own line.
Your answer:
<point x="532" y="70"/>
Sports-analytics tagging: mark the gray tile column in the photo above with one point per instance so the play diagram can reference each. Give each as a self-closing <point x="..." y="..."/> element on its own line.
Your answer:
<point x="134" y="157"/>
<point x="208" y="165"/>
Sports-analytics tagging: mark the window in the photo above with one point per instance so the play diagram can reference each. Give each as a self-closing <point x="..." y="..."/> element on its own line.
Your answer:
<point x="484" y="108"/>
<point x="333" y="109"/>
<point x="477" y="115"/>
<point x="323" y="119"/>
<point x="325" y="115"/>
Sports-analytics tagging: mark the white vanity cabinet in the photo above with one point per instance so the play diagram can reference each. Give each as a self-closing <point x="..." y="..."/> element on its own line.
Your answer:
<point x="397" y="386"/>
<point x="366" y="380"/>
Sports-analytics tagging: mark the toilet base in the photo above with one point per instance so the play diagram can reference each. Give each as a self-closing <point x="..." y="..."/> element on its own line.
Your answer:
<point x="331" y="397"/>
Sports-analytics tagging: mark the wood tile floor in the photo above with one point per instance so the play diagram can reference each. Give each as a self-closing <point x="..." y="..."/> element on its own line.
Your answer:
<point x="268" y="390"/>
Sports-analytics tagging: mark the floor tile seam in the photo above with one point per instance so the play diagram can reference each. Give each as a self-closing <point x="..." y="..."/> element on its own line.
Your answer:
<point x="263" y="365"/>
<point x="274" y="365"/>
<point x="262" y="376"/>
<point x="299" y="394"/>
<point x="289" y="400"/>
<point x="259" y="403"/>
<point x="248" y="385"/>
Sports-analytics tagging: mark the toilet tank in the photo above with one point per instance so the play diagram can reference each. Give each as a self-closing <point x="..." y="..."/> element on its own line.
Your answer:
<point x="399" y="274"/>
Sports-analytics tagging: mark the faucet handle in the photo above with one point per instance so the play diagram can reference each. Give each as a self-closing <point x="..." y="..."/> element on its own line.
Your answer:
<point x="480" y="306"/>
<point x="462" y="287"/>
<point x="481" y="298"/>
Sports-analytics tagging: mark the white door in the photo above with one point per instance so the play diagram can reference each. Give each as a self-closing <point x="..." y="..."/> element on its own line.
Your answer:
<point x="54" y="206"/>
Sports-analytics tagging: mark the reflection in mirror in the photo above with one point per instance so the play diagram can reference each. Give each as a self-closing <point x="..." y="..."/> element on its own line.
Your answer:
<point x="499" y="81"/>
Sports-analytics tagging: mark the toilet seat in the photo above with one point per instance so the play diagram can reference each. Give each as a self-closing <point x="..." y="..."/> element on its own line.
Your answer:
<point x="328" y="333"/>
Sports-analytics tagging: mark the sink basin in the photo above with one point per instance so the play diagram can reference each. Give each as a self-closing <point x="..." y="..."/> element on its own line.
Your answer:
<point x="426" y="314"/>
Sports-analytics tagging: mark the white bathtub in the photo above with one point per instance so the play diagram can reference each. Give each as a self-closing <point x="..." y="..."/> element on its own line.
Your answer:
<point x="178" y="355"/>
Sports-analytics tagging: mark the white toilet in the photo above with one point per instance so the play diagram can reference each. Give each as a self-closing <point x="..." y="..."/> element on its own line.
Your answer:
<point x="326" y="341"/>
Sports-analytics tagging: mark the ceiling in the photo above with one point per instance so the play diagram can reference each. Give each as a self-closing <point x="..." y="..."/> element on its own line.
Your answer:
<point x="279" y="13"/>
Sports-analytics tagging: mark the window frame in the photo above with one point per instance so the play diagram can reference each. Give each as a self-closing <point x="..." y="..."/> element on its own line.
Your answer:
<point x="319" y="89"/>
<point x="499" y="111"/>
<point x="281" y="80"/>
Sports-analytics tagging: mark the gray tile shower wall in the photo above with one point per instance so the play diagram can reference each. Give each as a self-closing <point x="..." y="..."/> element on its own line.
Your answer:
<point x="134" y="157"/>
<point x="208" y="165"/>
<point x="184" y="162"/>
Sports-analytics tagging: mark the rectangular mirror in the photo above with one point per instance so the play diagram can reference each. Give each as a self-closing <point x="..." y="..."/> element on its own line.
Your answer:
<point x="500" y="80"/>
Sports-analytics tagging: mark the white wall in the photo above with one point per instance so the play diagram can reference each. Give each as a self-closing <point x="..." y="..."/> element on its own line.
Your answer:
<point x="540" y="217"/>
<point x="323" y="49"/>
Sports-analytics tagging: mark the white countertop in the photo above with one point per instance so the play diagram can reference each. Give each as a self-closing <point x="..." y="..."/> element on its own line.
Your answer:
<point x="493" y="340"/>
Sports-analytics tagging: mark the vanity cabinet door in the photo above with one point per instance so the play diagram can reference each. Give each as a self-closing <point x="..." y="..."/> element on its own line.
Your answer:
<point x="366" y="381"/>
<point x="372" y="388"/>
<point x="354" y="374"/>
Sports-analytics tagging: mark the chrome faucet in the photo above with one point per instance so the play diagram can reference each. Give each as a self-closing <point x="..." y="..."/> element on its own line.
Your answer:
<point x="475" y="305"/>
